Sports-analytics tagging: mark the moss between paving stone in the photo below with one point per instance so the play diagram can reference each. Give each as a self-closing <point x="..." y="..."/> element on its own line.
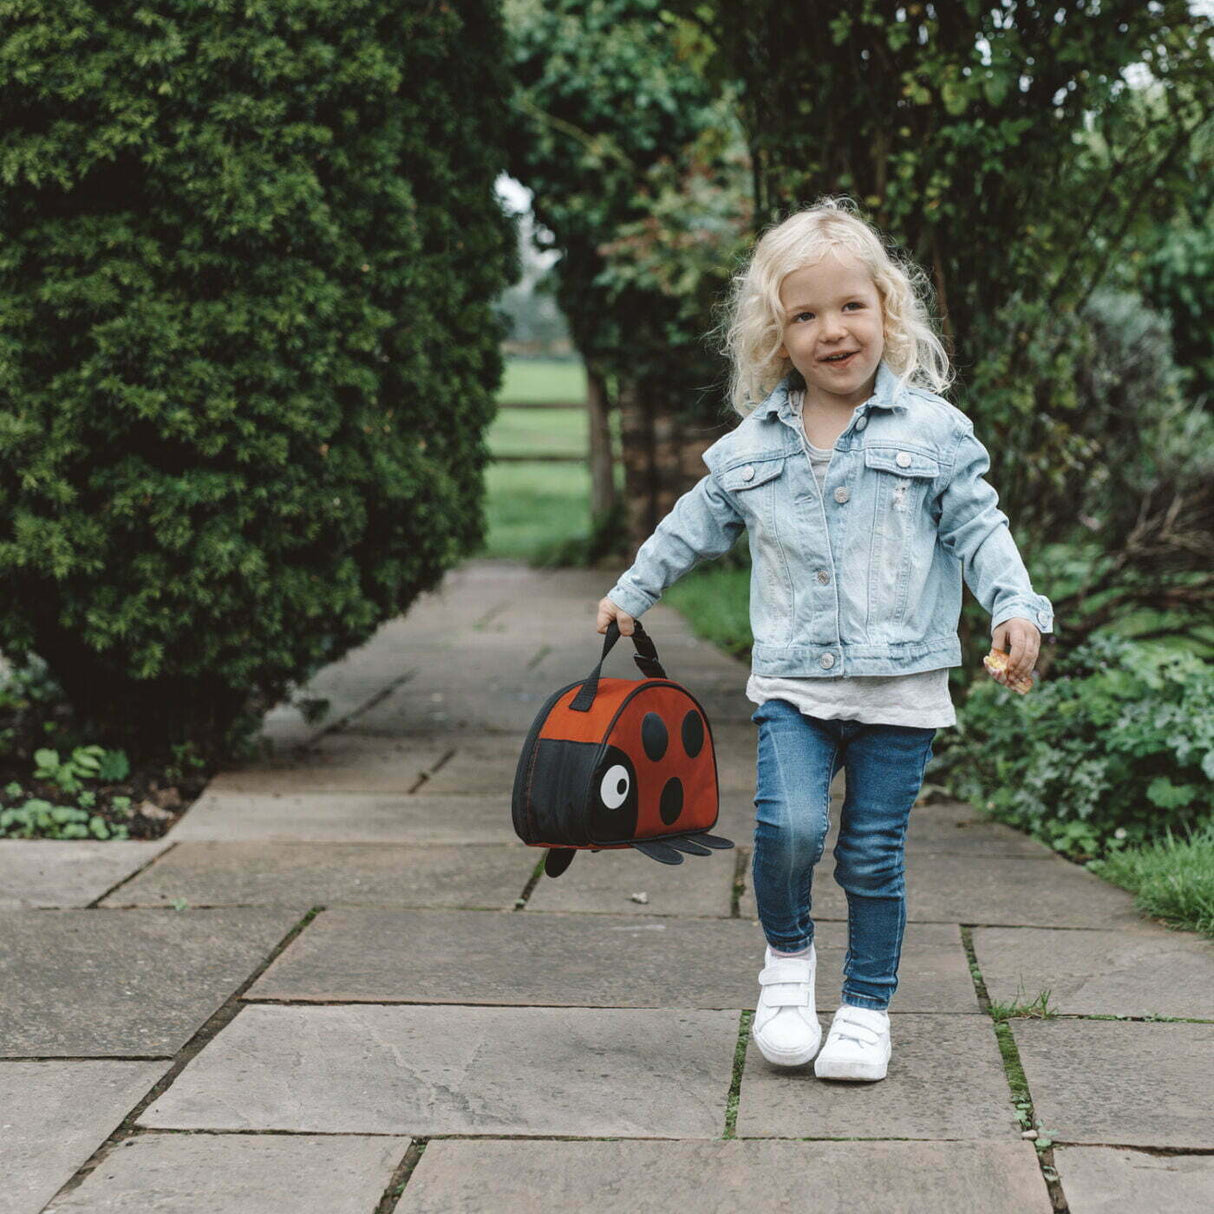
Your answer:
<point x="735" y="1086"/>
<point x="1013" y="1069"/>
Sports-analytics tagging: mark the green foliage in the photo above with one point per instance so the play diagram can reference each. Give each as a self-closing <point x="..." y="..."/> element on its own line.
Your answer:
<point x="36" y="818"/>
<point x="1171" y="878"/>
<point x="27" y="689"/>
<point x="1099" y="443"/>
<point x="1102" y="442"/>
<point x="1176" y="271"/>
<point x="602" y="543"/>
<point x="715" y="599"/>
<point x="1113" y="750"/>
<point x="248" y="347"/>
<point x="634" y="155"/>
<point x="30" y="817"/>
<point x="69" y="773"/>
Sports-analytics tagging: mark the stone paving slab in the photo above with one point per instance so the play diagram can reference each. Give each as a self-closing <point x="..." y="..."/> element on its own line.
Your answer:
<point x="604" y="882"/>
<point x="484" y="667"/>
<point x="479" y="591"/>
<point x="954" y="826"/>
<point x="1106" y="1180"/>
<point x="459" y="1070"/>
<point x="238" y="1174"/>
<point x="1121" y="1083"/>
<point x="926" y="1094"/>
<point x="333" y="874"/>
<point x="54" y="1115"/>
<point x="481" y="765"/>
<point x="355" y="679"/>
<point x="346" y="817"/>
<point x="1012" y="891"/>
<point x="338" y="762"/>
<point x="725" y="1177"/>
<point x="580" y="960"/>
<point x="68" y="872"/>
<point x="1149" y="972"/>
<point x="134" y="983"/>
<point x="500" y="706"/>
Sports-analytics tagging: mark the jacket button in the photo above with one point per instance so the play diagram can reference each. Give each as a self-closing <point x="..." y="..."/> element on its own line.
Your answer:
<point x="862" y="423"/>
<point x="748" y="473"/>
<point x="826" y="661"/>
<point x="1043" y="618"/>
<point x="823" y="576"/>
<point x="903" y="459"/>
<point x="842" y="494"/>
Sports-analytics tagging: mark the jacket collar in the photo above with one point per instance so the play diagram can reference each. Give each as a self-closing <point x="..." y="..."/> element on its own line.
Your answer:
<point x="885" y="395"/>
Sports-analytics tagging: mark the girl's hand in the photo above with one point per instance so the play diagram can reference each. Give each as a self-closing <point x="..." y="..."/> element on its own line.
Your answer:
<point x="1025" y="642"/>
<point x="608" y="611"/>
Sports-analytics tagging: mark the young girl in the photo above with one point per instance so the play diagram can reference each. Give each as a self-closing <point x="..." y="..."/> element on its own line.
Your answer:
<point x="863" y="496"/>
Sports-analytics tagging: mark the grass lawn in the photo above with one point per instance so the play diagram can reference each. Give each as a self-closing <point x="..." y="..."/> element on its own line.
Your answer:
<point x="1171" y="879"/>
<point x="715" y="601"/>
<point x="539" y="432"/>
<point x="542" y="379"/>
<point x="534" y="506"/>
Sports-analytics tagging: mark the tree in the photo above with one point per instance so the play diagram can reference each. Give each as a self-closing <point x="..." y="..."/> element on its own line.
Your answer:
<point x="248" y="258"/>
<point x="612" y="111"/>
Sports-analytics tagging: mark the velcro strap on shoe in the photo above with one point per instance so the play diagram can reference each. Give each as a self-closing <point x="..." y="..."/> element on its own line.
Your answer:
<point x="786" y="994"/>
<point x="785" y="971"/>
<point x="854" y="1030"/>
<point x="785" y="985"/>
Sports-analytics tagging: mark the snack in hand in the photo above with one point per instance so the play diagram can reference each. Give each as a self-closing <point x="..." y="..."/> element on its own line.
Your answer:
<point x="997" y="661"/>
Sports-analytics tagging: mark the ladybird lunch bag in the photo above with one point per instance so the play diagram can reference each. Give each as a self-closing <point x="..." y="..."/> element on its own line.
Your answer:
<point x="613" y="763"/>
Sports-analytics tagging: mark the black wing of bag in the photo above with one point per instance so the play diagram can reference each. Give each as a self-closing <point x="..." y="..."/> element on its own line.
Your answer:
<point x="614" y="763"/>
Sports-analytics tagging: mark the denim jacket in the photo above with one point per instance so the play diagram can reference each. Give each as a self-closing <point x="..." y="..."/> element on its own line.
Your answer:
<point x="864" y="577"/>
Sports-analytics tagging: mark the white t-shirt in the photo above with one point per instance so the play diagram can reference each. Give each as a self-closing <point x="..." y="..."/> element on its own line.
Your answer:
<point x="920" y="699"/>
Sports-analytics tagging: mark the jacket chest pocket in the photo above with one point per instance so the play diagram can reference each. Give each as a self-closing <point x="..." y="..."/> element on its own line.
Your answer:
<point x="903" y="480"/>
<point x="752" y="484"/>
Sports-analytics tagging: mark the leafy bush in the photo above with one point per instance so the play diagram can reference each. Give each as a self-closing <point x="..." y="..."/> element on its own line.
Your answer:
<point x="1113" y="751"/>
<point x="36" y="818"/>
<point x="248" y="343"/>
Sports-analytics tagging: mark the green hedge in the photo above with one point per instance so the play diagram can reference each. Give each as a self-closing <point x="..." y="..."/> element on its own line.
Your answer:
<point x="248" y="346"/>
<point x="1112" y="751"/>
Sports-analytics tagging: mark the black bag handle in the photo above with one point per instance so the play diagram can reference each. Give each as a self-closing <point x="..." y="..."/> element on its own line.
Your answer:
<point x="646" y="658"/>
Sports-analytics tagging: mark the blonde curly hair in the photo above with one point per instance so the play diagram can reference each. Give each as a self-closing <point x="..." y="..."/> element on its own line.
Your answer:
<point x="752" y="325"/>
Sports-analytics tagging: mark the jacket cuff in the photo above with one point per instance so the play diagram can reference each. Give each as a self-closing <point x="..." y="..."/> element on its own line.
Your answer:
<point x="630" y="600"/>
<point x="1035" y="608"/>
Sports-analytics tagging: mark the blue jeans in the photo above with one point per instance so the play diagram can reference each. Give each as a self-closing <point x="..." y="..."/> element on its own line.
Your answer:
<point x="797" y="760"/>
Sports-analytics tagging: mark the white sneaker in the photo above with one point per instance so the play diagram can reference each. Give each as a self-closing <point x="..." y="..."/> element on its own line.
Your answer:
<point x="857" y="1045"/>
<point x="785" y="1026"/>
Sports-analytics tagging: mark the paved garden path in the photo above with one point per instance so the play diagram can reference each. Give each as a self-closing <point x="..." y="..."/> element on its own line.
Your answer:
<point x="340" y="984"/>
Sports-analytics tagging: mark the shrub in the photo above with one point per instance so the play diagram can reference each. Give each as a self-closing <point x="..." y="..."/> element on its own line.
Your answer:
<point x="248" y="345"/>
<point x="1112" y="751"/>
